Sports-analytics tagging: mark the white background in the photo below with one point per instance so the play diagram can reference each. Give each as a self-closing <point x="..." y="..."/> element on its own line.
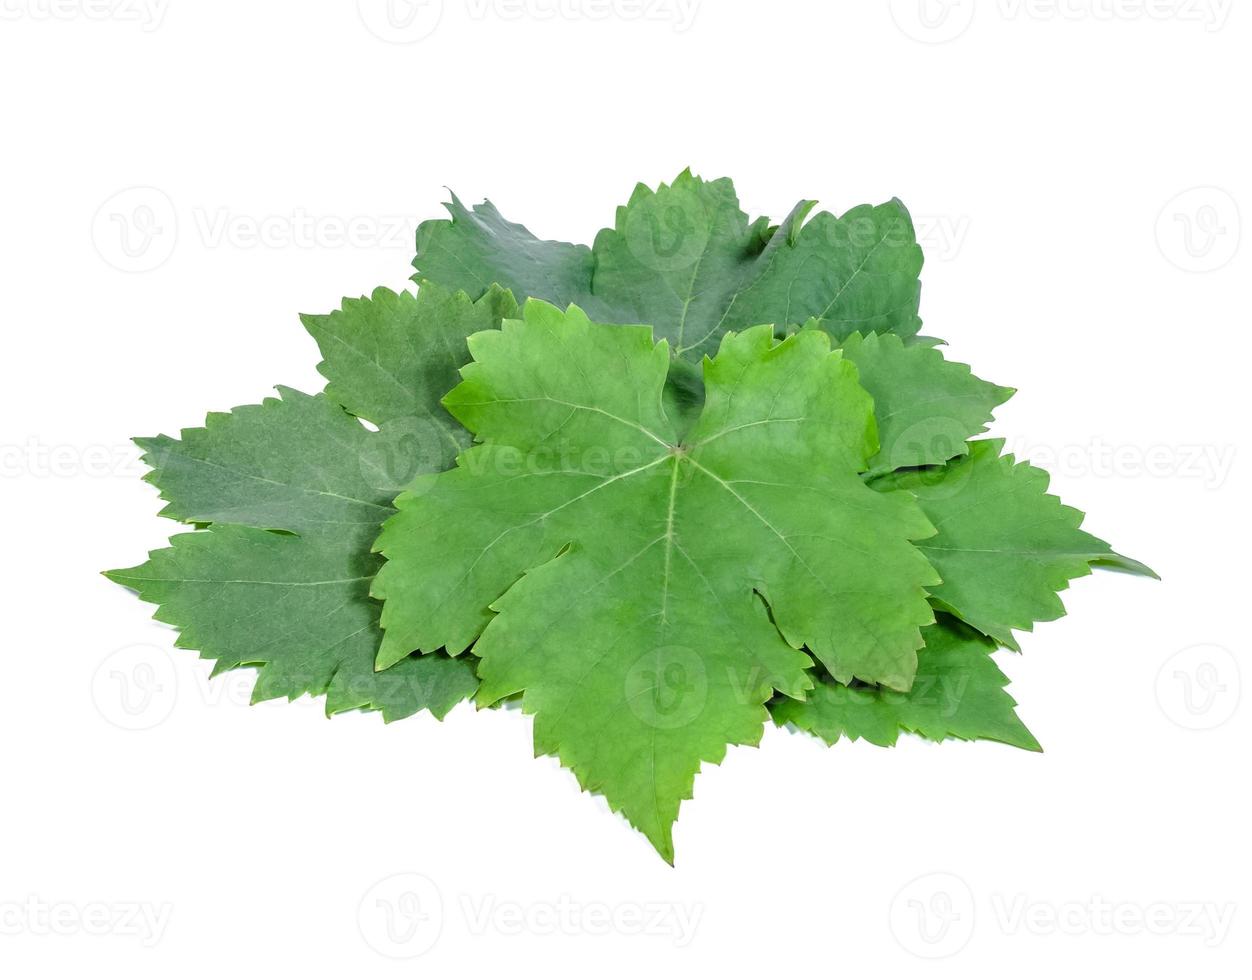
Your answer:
<point x="1042" y="149"/>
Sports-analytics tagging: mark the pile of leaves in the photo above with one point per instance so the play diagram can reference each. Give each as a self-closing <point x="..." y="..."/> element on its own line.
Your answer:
<point x="701" y="474"/>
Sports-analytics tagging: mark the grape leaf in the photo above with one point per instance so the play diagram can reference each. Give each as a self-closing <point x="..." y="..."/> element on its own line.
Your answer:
<point x="958" y="693"/>
<point x="926" y="407"/>
<point x="295" y="463"/>
<point x="652" y="547"/>
<point x="298" y="609"/>
<point x="685" y="259"/>
<point x="626" y="569"/>
<point x="478" y="248"/>
<point x="393" y="356"/>
<point x="1005" y="547"/>
<point x="296" y="604"/>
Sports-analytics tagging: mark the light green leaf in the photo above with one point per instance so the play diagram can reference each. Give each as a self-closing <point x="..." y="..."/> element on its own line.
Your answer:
<point x="1005" y="547"/>
<point x="958" y="693"/>
<point x="926" y="406"/>
<point x="626" y="568"/>
<point x="686" y="260"/>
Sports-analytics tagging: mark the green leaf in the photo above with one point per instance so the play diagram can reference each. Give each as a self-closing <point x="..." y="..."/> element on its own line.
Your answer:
<point x="685" y="259"/>
<point x="478" y="248"/>
<point x="1005" y="547"/>
<point x="855" y="272"/>
<point x="393" y="356"/>
<point x="296" y="463"/>
<point x="654" y="536"/>
<point x="958" y="693"/>
<point x="297" y="603"/>
<point x="298" y="609"/>
<point x="675" y="258"/>
<point x="615" y="574"/>
<point x="926" y="406"/>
